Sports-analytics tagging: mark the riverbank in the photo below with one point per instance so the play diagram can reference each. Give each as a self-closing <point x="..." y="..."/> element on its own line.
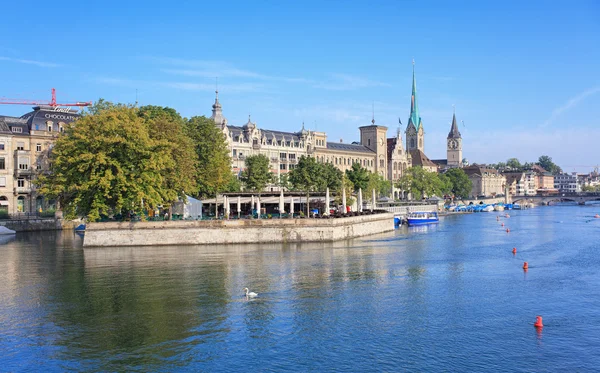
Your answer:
<point x="235" y="231"/>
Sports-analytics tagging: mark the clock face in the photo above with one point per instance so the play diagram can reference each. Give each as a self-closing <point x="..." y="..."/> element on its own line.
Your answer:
<point x="381" y="141"/>
<point x="453" y="144"/>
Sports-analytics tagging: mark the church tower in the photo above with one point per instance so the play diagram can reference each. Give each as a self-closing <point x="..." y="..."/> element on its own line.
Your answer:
<point x="454" y="145"/>
<point x="415" y="135"/>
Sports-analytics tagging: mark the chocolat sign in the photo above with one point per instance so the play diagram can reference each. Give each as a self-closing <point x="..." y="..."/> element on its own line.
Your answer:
<point x="60" y="116"/>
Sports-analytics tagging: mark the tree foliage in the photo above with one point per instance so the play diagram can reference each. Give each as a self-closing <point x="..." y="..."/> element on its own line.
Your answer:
<point x="513" y="163"/>
<point x="461" y="185"/>
<point x="422" y="183"/>
<point x="331" y="177"/>
<point x="257" y="174"/>
<point x="359" y="176"/>
<point x="213" y="171"/>
<point x="546" y="163"/>
<point x="107" y="162"/>
<point x="307" y="177"/>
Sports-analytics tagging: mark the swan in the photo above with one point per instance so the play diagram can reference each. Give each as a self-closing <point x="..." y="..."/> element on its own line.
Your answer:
<point x="250" y="294"/>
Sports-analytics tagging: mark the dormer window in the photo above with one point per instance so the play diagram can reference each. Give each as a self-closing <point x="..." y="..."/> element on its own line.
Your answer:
<point x="17" y="129"/>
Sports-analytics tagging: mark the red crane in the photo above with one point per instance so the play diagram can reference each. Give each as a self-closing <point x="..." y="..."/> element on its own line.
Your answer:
<point x="52" y="103"/>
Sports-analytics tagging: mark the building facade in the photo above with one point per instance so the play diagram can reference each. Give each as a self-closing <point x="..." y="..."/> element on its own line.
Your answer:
<point x="487" y="182"/>
<point x="25" y="144"/>
<point x="521" y="183"/>
<point x="565" y="183"/>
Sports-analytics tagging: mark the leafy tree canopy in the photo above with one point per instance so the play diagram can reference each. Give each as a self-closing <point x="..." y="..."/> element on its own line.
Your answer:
<point x="257" y="174"/>
<point x="546" y="163"/>
<point x="422" y="183"/>
<point x="359" y="176"/>
<point x="106" y="162"/>
<point x="213" y="171"/>
<point x="461" y="185"/>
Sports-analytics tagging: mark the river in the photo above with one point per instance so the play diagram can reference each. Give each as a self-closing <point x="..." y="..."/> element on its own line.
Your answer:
<point x="450" y="297"/>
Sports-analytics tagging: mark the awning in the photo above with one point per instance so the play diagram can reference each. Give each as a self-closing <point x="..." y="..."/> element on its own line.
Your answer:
<point x="3" y="203"/>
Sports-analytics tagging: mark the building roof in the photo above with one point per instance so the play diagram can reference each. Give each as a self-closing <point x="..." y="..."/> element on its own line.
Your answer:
<point x="479" y="170"/>
<point x="348" y="147"/>
<point x="440" y="162"/>
<point x="420" y="159"/>
<point x="7" y="122"/>
<point x="454" y="133"/>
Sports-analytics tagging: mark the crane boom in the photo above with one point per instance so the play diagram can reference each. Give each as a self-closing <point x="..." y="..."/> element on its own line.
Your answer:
<point x="52" y="102"/>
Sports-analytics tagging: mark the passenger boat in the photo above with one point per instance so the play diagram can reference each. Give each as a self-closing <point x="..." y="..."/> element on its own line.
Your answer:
<point x="417" y="218"/>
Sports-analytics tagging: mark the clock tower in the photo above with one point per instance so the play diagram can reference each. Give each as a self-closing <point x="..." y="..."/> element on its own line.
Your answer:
<point x="454" y="145"/>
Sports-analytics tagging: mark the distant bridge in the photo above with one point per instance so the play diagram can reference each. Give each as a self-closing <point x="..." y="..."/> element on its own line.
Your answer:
<point x="544" y="199"/>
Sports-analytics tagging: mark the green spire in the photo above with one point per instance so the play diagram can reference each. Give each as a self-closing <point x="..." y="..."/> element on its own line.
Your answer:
<point x="414" y="107"/>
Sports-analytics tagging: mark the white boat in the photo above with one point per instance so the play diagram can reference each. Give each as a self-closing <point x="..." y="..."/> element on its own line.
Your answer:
<point x="499" y="208"/>
<point x="488" y="208"/>
<point x="4" y="230"/>
<point x="418" y="217"/>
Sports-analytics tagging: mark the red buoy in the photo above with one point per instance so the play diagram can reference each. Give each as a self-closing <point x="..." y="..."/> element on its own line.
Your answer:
<point x="507" y="230"/>
<point x="525" y="265"/>
<point x="538" y="322"/>
<point x="514" y="250"/>
<point x="597" y="216"/>
<point x="502" y="224"/>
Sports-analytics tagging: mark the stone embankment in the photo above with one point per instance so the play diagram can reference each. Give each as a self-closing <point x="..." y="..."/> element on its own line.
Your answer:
<point x="234" y="231"/>
<point x="39" y="224"/>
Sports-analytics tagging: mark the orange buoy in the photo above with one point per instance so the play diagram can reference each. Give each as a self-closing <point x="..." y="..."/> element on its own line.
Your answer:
<point x="597" y="216"/>
<point x="538" y="322"/>
<point x="514" y="250"/>
<point x="525" y="265"/>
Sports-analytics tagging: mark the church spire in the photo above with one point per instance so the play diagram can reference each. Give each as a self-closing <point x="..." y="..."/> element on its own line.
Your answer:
<point x="454" y="133"/>
<point x="414" y="107"/>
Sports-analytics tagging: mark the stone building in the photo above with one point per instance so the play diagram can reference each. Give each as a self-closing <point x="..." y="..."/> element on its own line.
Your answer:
<point x="487" y="182"/>
<point x="24" y="146"/>
<point x="544" y="180"/>
<point x="284" y="149"/>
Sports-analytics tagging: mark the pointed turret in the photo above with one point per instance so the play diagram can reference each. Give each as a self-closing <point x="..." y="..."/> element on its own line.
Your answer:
<point x="217" y="113"/>
<point x="454" y="133"/>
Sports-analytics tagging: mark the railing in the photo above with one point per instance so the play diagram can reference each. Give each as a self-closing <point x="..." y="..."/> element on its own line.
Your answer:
<point x="22" y="190"/>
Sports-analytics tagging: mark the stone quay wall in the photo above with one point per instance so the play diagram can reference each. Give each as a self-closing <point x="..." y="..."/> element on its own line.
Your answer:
<point x="39" y="224"/>
<point x="234" y="231"/>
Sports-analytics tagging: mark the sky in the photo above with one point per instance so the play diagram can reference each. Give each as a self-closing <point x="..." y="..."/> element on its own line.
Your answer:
<point x="523" y="77"/>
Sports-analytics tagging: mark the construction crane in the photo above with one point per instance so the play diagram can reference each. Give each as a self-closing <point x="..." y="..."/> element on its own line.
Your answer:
<point x="51" y="103"/>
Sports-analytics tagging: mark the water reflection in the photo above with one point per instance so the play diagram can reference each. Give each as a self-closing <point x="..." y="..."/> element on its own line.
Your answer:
<point x="404" y="301"/>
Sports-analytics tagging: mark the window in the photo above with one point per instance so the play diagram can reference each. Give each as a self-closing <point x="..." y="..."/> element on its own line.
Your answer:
<point x="282" y="155"/>
<point x="38" y="147"/>
<point x="282" y="166"/>
<point x="2" y="181"/>
<point x="38" y="166"/>
<point x="20" y="145"/>
<point x="292" y="156"/>
<point x="381" y="163"/>
<point x="234" y="153"/>
<point x="21" y="183"/>
<point x="2" y="164"/>
<point x="23" y="163"/>
<point x="17" y="129"/>
<point x="1" y="146"/>
<point x="369" y="142"/>
<point x="49" y="128"/>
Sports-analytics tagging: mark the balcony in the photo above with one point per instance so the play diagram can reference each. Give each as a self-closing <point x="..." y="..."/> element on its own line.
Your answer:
<point x="23" y="172"/>
<point x="22" y="190"/>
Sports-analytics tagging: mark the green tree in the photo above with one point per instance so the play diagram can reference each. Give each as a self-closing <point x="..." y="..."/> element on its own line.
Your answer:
<point x="167" y="126"/>
<point x="460" y="183"/>
<point x="234" y="185"/>
<point x="331" y="177"/>
<point x="102" y="105"/>
<point x="377" y="182"/>
<point x="514" y="163"/>
<point x="108" y="163"/>
<point x="349" y="187"/>
<point x="359" y="176"/>
<point x="307" y="176"/>
<point x="257" y="174"/>
<point x="546" y="163"/>
<point x="421" y="182"/>
<point x="213" y="161"/>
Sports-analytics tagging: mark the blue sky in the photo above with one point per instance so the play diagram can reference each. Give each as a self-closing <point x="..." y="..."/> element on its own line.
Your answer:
<point x="524" y="76"/>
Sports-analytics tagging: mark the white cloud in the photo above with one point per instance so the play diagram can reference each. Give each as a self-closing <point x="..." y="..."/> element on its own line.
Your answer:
<point x="574" y="101"/>
<point x="30" y="62"/>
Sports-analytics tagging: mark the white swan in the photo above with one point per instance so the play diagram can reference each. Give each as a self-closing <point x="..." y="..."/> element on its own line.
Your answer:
<point x="250" y="294"/>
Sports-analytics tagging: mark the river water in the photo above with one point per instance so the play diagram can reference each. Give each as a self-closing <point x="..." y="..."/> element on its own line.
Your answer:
<point x="450" y="297"/>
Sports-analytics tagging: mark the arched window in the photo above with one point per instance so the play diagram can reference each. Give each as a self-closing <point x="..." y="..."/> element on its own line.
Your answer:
<point x="395" y="166"/>
<point x="21" y="204"/>
<point x="412" y="143"/>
